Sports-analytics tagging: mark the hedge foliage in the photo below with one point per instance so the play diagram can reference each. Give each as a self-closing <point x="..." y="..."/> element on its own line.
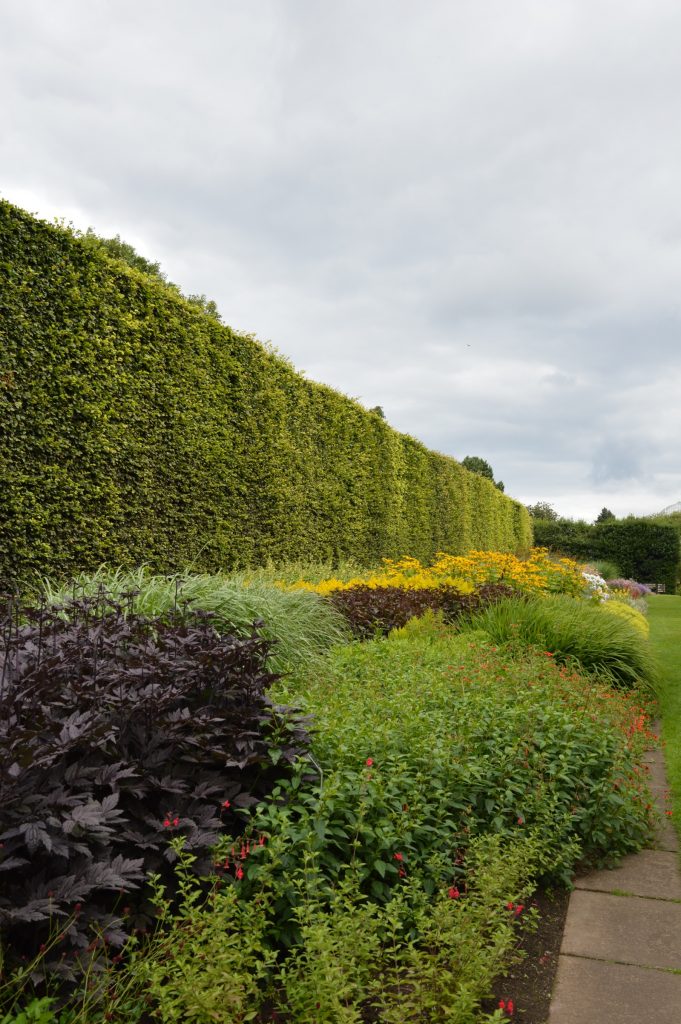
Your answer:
<point x="642" y="549"/>
<point x="137" y="429"/>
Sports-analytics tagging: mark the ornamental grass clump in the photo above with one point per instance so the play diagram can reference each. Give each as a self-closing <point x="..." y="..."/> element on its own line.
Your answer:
<point x="302" y="624"/>
<point x="573" y="631"/>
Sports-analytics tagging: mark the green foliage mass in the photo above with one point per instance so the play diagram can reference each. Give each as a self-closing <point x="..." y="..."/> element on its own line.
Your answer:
<point x="137" y="429"/>
<point x="576" y="631"/>
<point x="482" y="467"/>
<point x="643" y="550"/>
<point x="543" y="510"/>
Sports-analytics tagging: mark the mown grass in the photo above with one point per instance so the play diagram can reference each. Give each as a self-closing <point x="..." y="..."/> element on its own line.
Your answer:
<point x="665" y="639"/>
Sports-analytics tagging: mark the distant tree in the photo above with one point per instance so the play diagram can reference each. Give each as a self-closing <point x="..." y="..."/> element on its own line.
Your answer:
<point x="125" y="252"/>
<point x="121" y="250"/>
<point x="378" y="410"/>
<point x="542" y="510"/>
<point x="604" y="516"/>
<point x="475" y="464"/>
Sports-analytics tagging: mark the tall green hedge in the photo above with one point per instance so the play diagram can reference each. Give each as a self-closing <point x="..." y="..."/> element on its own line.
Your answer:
<point x="136" y="429"/>
<point x="644" y="550"/>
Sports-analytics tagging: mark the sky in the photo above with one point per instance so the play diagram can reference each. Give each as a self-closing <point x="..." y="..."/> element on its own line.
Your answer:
<point x="467" y="212"/>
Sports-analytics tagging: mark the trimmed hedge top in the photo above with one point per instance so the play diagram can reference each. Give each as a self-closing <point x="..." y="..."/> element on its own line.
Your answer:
<point x="137" y="429"/>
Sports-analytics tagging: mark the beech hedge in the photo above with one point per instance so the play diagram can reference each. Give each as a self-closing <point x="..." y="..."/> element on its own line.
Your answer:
<point x="642" y="549"/>
<point x="137" y="429"/>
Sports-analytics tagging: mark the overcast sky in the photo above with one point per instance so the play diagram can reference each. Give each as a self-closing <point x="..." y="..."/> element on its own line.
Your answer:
<point x="467" y="212"/>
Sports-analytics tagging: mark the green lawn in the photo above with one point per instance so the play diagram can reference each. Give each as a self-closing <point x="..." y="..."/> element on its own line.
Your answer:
<point x="665" y="636"/>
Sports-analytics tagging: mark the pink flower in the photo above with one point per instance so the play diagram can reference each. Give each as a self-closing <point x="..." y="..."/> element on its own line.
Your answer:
<point x="369" y="762"/>
<point x="226" y="804"/>
<point x="453" y="893"/>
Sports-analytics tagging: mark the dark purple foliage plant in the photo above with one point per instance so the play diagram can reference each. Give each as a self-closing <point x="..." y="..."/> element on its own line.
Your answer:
<point x="118" y="733"/>
<point x="372" y="611"/>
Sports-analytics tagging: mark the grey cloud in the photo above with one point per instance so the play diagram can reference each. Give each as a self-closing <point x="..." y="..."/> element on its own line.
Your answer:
<point x="465" y="213"/>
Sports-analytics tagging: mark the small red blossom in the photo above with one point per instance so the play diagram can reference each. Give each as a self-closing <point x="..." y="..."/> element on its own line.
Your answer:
<point x="239" y="873"/>
<point x="398" y="856"/>
<point x="226" y="804"/>
<point x="453" y="893"/>
<point x="166" y="823"/>
<point x="402" y="873"/>
<point x="521" y="821"/>
<point x="369" y="762"/>
<point x="176" y="822"/>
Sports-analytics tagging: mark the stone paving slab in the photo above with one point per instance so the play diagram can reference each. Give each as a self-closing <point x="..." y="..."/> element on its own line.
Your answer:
<point x="629" y="929"/>
<point x="653" y="873"/>
<point x="655" y="775"/>
<point x="666" y="837"/>
<point x="596" y="992"/>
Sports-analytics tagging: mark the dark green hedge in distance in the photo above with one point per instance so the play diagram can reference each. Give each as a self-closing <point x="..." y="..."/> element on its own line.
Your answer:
<point x="642" y="549"/>
<point x="137" y="429"/>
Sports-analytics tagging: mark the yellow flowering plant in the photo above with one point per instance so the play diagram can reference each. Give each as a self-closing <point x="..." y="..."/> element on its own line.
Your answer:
<point x="539" y="573"/>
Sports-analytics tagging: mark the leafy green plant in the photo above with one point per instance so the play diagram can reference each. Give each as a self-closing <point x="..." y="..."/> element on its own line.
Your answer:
<point x="426" y="738"/>
<point x="38" y="1011"/>
<point x="573" y="631"/>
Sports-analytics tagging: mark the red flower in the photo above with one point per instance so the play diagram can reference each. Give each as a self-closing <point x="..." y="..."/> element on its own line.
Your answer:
<point x="166" y="823"/>
<point x="239" y="873"/>
<point x="510" y="906"/>
<point x="453" y="893"/>
<point x="402" y="873"/>
<point x="521" y="821"/>
<point x="226" y="803"/>
<point x="176" y="821"/>
<point x="369" y="762"/>
<point x="398" y="856"/>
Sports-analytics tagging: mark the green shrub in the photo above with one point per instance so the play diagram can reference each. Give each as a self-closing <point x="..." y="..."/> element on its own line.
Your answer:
<point x="302" y="624"/>
<point x="424" y="739"/>
<point x="643" y="549"/>
<point x="573" y="631"/>
<point x="138" y="429"/>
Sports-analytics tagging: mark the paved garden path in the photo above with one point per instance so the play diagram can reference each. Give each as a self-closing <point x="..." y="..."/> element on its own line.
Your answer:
<point x="620" y="959"/>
